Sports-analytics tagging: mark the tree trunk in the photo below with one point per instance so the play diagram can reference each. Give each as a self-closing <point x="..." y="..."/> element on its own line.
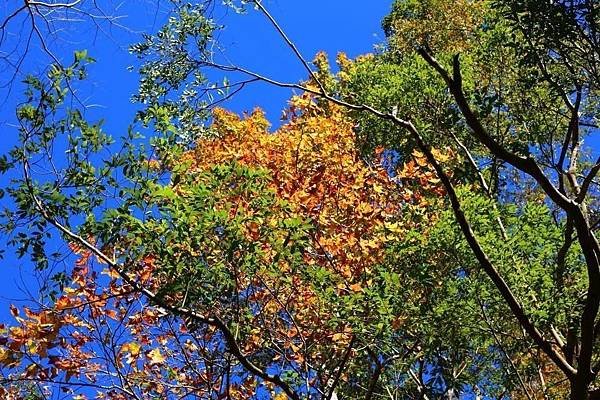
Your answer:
<point x="579" y="390"/>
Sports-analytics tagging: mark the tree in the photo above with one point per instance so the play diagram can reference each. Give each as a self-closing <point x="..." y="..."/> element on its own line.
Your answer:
<point x="310" y="262"/>
<point x="264" y="245"/>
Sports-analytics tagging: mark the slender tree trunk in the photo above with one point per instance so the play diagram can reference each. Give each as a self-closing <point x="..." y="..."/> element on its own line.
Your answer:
<point x="579" y="389"/>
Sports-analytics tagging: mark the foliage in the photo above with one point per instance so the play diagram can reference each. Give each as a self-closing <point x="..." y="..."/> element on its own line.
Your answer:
<point x="277" y="235"/>
<point x="499" y="81"/>
<point x="422" y="225"/>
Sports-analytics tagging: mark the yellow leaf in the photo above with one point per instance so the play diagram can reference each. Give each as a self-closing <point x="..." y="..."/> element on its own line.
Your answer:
<point x="133" y="348"/>
<point x="338" y="337"/>
<point x="4" y="355"/>
<point x="111" y="273"/>
<point x="156" y="358"/>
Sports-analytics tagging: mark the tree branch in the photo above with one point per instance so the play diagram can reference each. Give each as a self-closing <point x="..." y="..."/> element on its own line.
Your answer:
<point x="524" y="164"/>
<point x="289" y="43"/>
<point x="589" y="243"/>
<point x="585" y="186"/>
<point x="487" y="265"/>
<point x="340" y="369"/>
<point x="482" y="258"/>
<point x="502" y="350"/>
<point x="175" y="310"/>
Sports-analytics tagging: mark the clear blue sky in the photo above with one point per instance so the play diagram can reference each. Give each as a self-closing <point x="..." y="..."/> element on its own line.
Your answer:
<point x="249" y="40"/>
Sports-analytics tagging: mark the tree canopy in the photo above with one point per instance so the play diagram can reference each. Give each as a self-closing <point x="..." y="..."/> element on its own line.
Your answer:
<point x="422" y="224"/>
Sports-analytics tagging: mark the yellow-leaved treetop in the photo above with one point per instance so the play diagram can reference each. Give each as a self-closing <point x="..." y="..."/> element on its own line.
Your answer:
<point x="278" y="296"/>
<point x="314" y="165"/>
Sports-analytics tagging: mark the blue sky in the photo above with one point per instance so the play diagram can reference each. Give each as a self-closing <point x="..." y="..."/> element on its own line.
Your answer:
<point x="249" y="41"/>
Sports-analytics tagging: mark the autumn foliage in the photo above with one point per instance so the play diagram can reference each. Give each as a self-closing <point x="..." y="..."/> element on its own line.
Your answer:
<point x="203" y="254"/>
<point x="290" y="229"/>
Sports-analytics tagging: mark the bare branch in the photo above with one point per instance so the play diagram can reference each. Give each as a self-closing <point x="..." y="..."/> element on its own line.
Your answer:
<point x="290" y="44"/>
<point x="52" y="5"/>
